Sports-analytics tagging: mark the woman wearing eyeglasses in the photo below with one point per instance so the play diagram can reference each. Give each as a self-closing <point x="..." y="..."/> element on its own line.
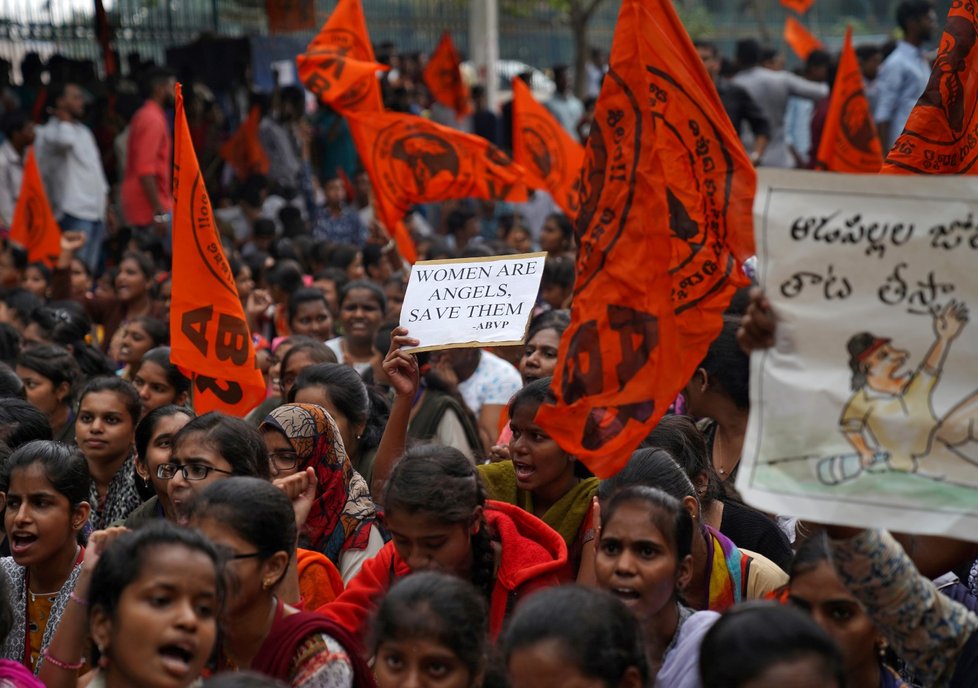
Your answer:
<point x="342" y="523"/>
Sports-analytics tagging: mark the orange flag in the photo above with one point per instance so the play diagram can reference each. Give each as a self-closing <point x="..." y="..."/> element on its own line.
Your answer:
<point x="286" y="16"/>
<point x="103" y="34"/>
<point x="209" y="337"/>
<point x="941" y="135"/>
<point x="849" y="140"/>
<point x="553" y="160"/>
<point x="243" y="151"/>
<point x="799" y="6"/>
<point x="334" y="77"/>
<point x="33" y="225"/>
<point x="412" y="160"/>
<point x="799" y="39"/>
<point x="345" y="34"/>
<point x="665" y="221"/>
<point x="443" y="77"/>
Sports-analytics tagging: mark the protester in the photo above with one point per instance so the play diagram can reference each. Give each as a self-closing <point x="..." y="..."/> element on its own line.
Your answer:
<point x="18" y="133"/>
<point x="21" y="422"/>
<point x="430" y="629"/>
<point x="51" y="378"/>
<point x="108" y="410"/>
<point x="159" y="382"/>
<point x="309" y="314"/>
<point x="154" y="448"/>
<point x="139" y="335"/>
<point x="564" y="105"/>
<point x="439" y="519"/>
<point x="252" y="523"/>
<point x="46" y="485"/>
<point x="575" y="636"/>
<point x="362" y="306"/>
<point x="302" y="353"/>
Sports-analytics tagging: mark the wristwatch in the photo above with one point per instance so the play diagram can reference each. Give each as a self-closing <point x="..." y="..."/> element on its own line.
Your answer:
<point x="161" y="218"/>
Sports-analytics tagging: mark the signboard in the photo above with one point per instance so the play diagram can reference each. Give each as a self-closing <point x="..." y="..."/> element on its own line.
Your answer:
<point x="472" y="301"/>
<point x="865" y="412"/>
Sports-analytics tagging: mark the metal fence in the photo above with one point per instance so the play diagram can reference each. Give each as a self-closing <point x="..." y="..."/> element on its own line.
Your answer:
<point x="533" y="35"/>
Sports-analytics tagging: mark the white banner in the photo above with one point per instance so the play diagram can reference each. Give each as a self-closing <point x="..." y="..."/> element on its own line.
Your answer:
<point x="865" y="412"/>
<point x="472" y="301"/>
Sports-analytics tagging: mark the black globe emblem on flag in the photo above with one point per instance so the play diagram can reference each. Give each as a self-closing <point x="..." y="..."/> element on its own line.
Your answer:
<point x="541" y="141"/>
<point x="856" y="123"/>
<point x="419" y="162"/>
<point x="343" y="44"/>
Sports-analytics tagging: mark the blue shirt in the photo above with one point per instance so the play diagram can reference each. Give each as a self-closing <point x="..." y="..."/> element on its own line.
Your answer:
<point x="901" y="81"/>
<point x="346" y="228"/>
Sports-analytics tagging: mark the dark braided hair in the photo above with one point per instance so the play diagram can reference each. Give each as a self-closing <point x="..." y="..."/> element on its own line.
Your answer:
<point x="443" y="482"/>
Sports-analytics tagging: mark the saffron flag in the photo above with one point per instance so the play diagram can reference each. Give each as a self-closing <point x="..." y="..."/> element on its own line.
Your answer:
<point x="443" y="77"/>
<point x="103" y="34"/>
<point x="345" y="34"/>
<point x="941" y="135"/>
<point x="334" y="77"/>
<point x="286" y="16"/>
<point x="849" y="140"/>
<point x="243" y="151"/>
<point x="412" y="160"/>
<point x="33" y="225"/>
<point x="209" y="337"/>
<point x="799" y="6"/>
<point x="553" y="160"/>
<point x="800" y="39"/>
<point x="664" y="223"/>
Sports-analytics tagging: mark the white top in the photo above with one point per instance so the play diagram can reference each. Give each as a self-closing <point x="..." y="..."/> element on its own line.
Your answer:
<point x="71" y="167"/>
<point x="352" y="559"/>
<point x="11" y="176"/>
<point x="494" y="382"/>
<point x="680" y="666"/>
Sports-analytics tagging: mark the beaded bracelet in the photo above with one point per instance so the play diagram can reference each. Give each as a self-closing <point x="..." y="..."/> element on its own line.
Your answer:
<point x="80" y="600"/>
<point x="67" y="666"/>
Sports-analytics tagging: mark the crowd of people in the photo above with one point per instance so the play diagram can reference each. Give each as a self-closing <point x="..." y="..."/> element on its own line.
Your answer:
<point x="384" y="517"/>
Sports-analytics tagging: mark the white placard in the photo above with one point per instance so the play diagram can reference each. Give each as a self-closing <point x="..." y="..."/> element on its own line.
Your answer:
<point x="472" y="301"/>
<point x="865" y="411"/>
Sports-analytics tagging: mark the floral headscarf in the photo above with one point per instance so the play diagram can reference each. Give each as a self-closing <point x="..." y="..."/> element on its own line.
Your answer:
<point x="343" y="512"/>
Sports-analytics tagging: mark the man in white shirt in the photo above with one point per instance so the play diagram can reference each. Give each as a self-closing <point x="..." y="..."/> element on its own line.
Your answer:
<point x="18" y="134"/>
<point x="71" y="168"/>
<point x="563" y="104"/>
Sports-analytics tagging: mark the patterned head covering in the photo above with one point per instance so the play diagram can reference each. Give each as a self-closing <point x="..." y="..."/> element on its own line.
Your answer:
<point x="343" y="512"/>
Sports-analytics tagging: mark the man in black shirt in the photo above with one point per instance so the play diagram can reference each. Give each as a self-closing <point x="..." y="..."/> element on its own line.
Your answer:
<point x="741" y="108"/>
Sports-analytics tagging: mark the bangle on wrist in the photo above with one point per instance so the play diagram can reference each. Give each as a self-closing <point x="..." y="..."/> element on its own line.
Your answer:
<point x="67" y="666"/>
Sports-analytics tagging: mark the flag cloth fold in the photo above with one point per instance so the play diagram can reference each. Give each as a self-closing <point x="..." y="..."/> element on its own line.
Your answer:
<point x="243" y="150"/>
<point x="799" y="6"/>
<point x="849" y="139"/>
<point x="103" y="34"/>
<point x="33" y="225"/>
<point x="443" y="77"/>
<point x="286" y="16"/>
<point x="800" y="39"/>
<point x="665" y="221"/>
<point x="209" y="337"/>
<point x="333" y="77"/>
<point x="345" y="34"/>
<point x="553" y="160"/>
<point x="941" y="134"/>
<point x="413" y="160"/>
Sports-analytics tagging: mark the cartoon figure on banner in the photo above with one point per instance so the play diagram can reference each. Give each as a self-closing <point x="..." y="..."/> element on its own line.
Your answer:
<point x="890" y="419"/>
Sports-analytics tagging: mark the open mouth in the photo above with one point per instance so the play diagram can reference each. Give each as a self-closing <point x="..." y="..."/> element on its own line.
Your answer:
<point x="524" y="471"/>
<point x="625" y="594"/>
<point x="20" y="543"/>
<point x="177" y="658"/>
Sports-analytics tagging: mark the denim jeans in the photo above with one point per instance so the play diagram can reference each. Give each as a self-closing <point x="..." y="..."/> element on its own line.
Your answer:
<point x="91" y="252"/>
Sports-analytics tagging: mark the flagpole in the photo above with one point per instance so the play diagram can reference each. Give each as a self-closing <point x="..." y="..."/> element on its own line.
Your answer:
<point x="484" y="44"/>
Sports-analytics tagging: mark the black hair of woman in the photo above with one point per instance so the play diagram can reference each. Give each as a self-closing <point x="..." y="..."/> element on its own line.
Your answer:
<point x="157" y="330"/>
<point x="147" y="426"/>
<point x="652" y="468"/>
<point x="232" y="438"/>
<point x="342" y="255"/>
<point x="286" y="275"/>
<point x="143" y="261"/>
<point x="22" y="303"/>
<point x="160" y="355"/>
<point x="64" y="467"/>
<point x="668" y="514"/>
<point x="727" y="366"/>
<point x="11" y="386"/>
<point x="123" y="388"/>
<point x="442" y="481"/>
<point x="438" y="607"/>
<point x="304" y="295"/>
<point x="123" y="561"/>
<point x="22" y="422"/>
<point x="539" y="392"/>
<point x="557" y="319"/>
<point x="56" y="364"/>
<point x="594" y="632"/>
<point x="66" y="324"/>
<point x="684" y="442"/>
<point x="753" y="637"/>
<point x="372" y="287"/>
<point x="10" y="342"/>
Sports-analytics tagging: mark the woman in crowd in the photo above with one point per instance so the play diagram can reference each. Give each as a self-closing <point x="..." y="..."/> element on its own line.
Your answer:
<point x="539" y="357"/>
<point x="108" y="411"/>
<point x="159" y="382"/>
<point x="154" y="448"/>
<point x="557" y="236"/>
<point x="748" y="527"/>
<point x="47" y="491"/>
<point x="430" y="629"/>
<point x="362" y="307"/>
<point x="51" y="377"/>
<point x="65" y="324"/>
<point x="438" y="516"/>
<point x="253" y="524"/>
<point x="359" y="412"/>
<point x="302" y="353"/>
<point x="763" y="646"/>
<point x="644" y="559"/>
<point x="139" y="335"/>
<point x="37" y="279"/>
<point x="574" y="636"/>
<point x="343" y="521"/>
<point x="349" y="259"/>
<point x="723" y="574"/>
<point x="815" y="587"/>
<point x="20" y="423"/>
<point x="309" y="314"/>
<point x="82" y="279"/>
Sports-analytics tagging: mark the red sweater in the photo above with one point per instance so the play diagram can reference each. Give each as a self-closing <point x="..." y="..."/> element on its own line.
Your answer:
<point x="533" y="557"/>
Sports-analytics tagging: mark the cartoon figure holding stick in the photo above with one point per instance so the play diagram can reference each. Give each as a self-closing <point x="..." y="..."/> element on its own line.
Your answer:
<point x="890" y="419"/>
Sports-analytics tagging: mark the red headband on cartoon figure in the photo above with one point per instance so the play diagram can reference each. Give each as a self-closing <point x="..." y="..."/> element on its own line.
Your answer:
<point x="872" y="348"/>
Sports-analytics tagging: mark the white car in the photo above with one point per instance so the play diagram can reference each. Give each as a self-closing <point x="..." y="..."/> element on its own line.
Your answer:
<point x="506" y="70"/>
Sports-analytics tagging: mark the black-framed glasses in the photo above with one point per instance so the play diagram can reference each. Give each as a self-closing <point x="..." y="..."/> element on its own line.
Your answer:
<point x="284" y="459"/>
<point x="190" y="471"/>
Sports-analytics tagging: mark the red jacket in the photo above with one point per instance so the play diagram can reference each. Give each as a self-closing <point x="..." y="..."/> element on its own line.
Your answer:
<point x="533" y="557"/>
